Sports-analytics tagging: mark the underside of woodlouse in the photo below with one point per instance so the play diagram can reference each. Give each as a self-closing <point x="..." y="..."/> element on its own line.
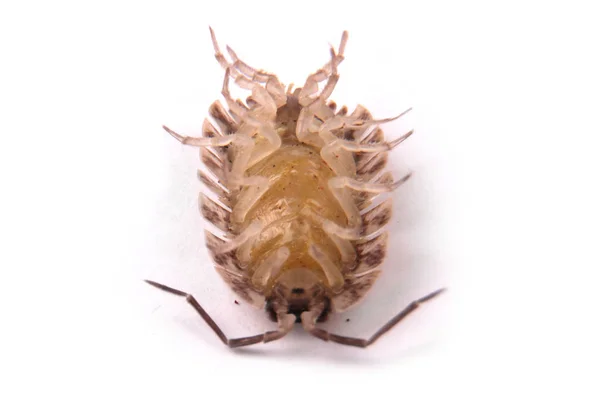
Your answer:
<point x="295" y="184"/>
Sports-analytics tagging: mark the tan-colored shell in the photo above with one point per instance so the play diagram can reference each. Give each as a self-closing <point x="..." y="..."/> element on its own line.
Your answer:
<point x="291" y="182"/>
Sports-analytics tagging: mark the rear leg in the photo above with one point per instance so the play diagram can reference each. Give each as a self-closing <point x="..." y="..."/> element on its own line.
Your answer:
<point x="370" y="224"/>
<point x="269" y="268"/>
<point x="332" y="272"/>
<point x="344" y="246"/>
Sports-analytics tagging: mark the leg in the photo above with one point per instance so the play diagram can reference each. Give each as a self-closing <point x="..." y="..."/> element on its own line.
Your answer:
<point x="359" y="342"/>
<point x="331" y="145"/>
<point x="226" y="122"/>
<point x="339" y="188"/>
<point x="311" y="86"/>
<point x="375" y="147"/>
<point x="272" y="84"/>
<point x="329" y="70"/>
<point x="255" y="188"/>
<point x="344" y="246"/>
<point x="269" y="267"/>
<point x="353" y="122"/>
<point x="249" y="74"/>
<point x="337" y="183"/>
<point x="331" y="82"/>
<point x="332" y="273"/>
<point x="337" y="151"/>
<point x="201" y="142"/>
<point x="285" y="322"/>
<point x="265" y="105"/>
<point x="365" y="198"/>
<point x="249" y="233"/>
<point x="251" y="125"/>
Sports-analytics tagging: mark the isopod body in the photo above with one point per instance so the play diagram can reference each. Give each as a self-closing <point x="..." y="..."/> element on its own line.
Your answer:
<point x="295" y="184"/>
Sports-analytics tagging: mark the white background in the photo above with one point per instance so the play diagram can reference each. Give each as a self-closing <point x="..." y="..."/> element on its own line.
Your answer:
<point x="503" y="207"/>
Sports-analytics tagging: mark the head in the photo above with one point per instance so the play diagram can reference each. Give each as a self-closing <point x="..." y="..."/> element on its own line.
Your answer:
<point x="296" y="291"/>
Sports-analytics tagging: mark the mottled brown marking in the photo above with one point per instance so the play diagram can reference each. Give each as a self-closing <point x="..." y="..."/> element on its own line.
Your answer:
<point x="371" y="253"/>
<point x="351" y="134"/>
<point x="227" y="260"/>
<point x="212" y="185"/>
<point x="369" y="169"/>
<point x="376" y="218"/>
<point x="241" y="104"/>
<point x="347" y="134"/>
<point x="365" y="199"/>
<point x="376" y="136"/>
<point x="241" y="286"/>
<point x="362" y="113"/>
<point x="209" y="130"/>
<point x="212" y="241"/>
<point x="215" y="213"/>
<point x="354" y="290"/>
<point x="213" y="164"/>
<point x="225" y="122"/>
<point x="207" y="153"/>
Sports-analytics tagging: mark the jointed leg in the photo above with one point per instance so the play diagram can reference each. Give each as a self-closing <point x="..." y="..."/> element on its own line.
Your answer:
<point x="371" y="187"/>
<point x="359" y="342"/>
<point x="321" y="136"/>
<point x="255" y="188"/>
<point x="311" y="86"/>
<point x="272" y="84"/>
<point x="270" y="267"/>
<point x="373" y="148"/>
<point x="286" y="322"/>
<point x="327" y="71"/>
<point x="339" y="122"/>
<point x="248" y="234"/>
<point x="345" y="247"/>
<point x="252" y="125"/>
<point x="332" y="272"/>
<point x="244" y="72"/>
<point x="265" y="108"/>
<point x="201" y="142"/>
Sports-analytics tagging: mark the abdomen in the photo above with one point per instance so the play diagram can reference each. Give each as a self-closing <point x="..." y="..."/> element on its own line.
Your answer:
<point x="297" y="197"/>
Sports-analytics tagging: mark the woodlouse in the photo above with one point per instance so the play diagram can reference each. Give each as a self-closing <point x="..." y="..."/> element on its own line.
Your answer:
<point x="294" y="184"/>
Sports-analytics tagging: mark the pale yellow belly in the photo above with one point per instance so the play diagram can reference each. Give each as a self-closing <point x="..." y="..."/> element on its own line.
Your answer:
<point x="299" y="187"/>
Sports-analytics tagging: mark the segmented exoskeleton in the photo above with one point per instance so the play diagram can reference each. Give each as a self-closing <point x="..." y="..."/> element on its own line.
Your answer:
<point x="294" y="182"/>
